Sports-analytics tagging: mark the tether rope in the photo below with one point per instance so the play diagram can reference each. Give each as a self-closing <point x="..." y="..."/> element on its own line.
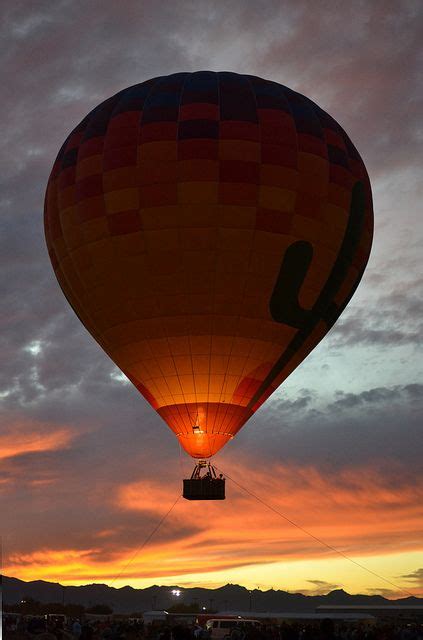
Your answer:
<point x="147" y="540"/>
<point x="319" y="540"/>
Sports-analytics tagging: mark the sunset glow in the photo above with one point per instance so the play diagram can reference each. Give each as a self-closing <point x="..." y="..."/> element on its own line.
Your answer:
<point x="357" y="512"/>
<point x="22" y="440"/>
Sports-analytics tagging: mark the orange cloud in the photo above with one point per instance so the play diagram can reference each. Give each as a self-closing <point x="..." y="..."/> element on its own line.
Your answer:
<point x="33" y="438"/>
<point x="356" y="511"/>
<point x="49" y="564"/>
<point x="5" y="483"/>
<point x="142" y="496"/>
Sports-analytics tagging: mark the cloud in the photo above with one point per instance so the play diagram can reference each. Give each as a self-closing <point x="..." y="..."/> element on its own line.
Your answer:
<point x="391" y="319"/>
<point x="307" y="401"/>
<point x="321" y="587"/>
<point x="378" y="395"/>
<point x="303" y="401"/>
<point x="386" y="593"/>
<point x="378" y="426"/>
<point x="21" y="439"/>
<point x="143" y="496"/>
<point x="356" y="510"/>
<point x="415" y="577"/>
<point x="358" y="75"/>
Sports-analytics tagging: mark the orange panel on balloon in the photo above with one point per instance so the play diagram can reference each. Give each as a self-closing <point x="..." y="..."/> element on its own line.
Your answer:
<point x="208" y="229"/>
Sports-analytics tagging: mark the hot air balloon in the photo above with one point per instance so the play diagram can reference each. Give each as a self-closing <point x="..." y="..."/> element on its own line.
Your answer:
<point x="208" y="229"/>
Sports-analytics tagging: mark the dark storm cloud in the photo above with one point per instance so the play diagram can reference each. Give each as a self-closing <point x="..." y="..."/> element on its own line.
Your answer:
<point x="392" y="319"/>
<point x="380" y="426"/>
<point x="303" y="401"/>
<point x="364" y="60"/>
<point x="60" y="60"/>
<point x="379" y="395"/>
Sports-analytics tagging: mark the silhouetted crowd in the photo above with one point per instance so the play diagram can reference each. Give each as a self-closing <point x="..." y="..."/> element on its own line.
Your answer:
<point x="38" y="628"/>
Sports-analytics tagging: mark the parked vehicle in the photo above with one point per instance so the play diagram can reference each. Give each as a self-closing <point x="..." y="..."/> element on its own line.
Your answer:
<point x="221" y="627"/>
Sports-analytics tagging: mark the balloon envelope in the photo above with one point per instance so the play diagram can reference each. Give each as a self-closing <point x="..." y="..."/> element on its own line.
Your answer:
<point x="208" y="229"/>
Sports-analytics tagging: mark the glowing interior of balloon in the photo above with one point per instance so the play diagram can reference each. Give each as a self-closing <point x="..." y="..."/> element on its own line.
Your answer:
<point x="208" y="229"/>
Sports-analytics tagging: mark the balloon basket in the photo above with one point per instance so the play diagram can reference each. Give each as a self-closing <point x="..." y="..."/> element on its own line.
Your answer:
<point x="204" y="483"/>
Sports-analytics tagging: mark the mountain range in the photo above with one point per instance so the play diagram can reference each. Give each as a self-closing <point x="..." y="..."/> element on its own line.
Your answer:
<point x="230" y="597"/>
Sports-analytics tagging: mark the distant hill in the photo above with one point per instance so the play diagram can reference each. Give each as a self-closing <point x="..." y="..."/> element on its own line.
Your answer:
<point x="230" y="597"/>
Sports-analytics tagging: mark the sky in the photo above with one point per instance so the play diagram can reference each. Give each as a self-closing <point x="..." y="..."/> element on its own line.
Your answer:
<point x="87" y="468"/>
